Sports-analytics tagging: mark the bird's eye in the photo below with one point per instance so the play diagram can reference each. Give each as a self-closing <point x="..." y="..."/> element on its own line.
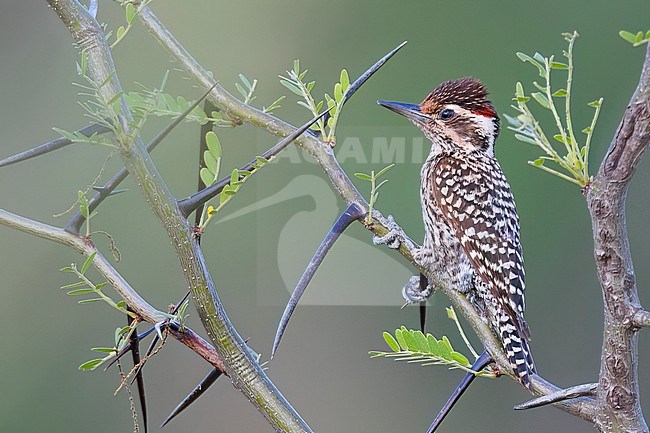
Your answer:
<point x="446" y="114"/>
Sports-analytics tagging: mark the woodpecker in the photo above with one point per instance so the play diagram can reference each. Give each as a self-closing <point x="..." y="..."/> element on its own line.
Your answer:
<point x="471" y="224"/>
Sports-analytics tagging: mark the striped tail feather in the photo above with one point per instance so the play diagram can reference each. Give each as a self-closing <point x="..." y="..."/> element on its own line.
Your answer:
<point x="517" y="350"/>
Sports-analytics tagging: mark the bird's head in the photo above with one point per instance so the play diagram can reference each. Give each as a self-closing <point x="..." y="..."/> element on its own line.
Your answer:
<point x="456" y="114"/>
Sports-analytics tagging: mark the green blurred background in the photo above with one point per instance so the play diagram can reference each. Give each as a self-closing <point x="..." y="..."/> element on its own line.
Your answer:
<point x="282" y="214"/>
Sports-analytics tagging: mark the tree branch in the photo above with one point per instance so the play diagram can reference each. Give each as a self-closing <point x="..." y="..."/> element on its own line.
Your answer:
<point x="141" y="307"/>
<point x="324" y="155"/>
<point x="239" y="362"/>
<point x="619" y="407"/>
<point x="641" y="319"/>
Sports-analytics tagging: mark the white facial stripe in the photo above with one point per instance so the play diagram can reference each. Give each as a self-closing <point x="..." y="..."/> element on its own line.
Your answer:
<point x="486" y="124"/>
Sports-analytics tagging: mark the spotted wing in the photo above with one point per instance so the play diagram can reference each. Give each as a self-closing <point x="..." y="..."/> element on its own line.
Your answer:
<point x="476" y="202"/>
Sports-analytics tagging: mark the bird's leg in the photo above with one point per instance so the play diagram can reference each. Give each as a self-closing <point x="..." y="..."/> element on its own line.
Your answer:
<point x="395" y="236"/>
<point x="417" y="289"/>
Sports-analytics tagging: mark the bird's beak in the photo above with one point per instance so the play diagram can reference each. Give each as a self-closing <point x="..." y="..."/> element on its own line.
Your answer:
<point x="410" y="111"/>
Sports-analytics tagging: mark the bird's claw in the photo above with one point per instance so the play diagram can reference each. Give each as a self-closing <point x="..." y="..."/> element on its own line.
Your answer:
<point x="413" y="293"/>
<point x="394" y="237"/>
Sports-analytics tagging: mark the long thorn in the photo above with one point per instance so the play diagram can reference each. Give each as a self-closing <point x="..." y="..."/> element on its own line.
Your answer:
<point x="53" y="145"/>
<point x="352" y="213"/>
<point x="191" y="203"/>
<point x="135" y="352"/>
<point x="77" y="220"/>
<point x="586" y="389"/>
<point x="424" y="284"/>
<point x="478" y="365"/>
<point x="207" y="381"/>
<point x="366" y="75"/>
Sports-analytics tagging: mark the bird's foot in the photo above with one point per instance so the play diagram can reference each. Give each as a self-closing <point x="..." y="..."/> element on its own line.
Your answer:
<point x="395" y="236"/>
<point x="413" y="292"/>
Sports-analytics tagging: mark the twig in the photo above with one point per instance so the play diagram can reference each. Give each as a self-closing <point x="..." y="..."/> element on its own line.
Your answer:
<point x="641" y="319"/>
<point x="587" y="389"/>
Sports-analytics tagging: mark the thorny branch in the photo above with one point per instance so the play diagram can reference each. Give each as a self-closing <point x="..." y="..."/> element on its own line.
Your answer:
<point x="141" y="307"/>
<point x="583" y="407"/>
<point x="616" y="407"/>
<point x="239" y="361"/>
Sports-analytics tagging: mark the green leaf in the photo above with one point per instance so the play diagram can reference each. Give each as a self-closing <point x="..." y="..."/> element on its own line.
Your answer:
<point x="73" y="285"/>
<point x="120" y="331"/>
<point x="392" y="343"/>
<point x="89" y="301"/>
<point x="525" y="139"/>
<point x="587" y="130"/>
<point x="433" y="343"/>
<point x="296" y="66"/>
<point x="519" y="90"/>
<point x="399" y="335"/>
<point x="460" y="358"/>
<point x="234" y="176"/>
<point x="561" y="139"/>
<point x="526" y="58"/>
<point x="210" y="162"/>
<point x="538" y="162"/>
<point x="409" y="339"/>
<point x="541" y="99"/>
<point x="421" y="341"/>
<point x="344" y="80"/>
<point x="241" y="90"/>
<point x="120" y="33"/>
<point x="214" y="145"/>
<point x="244" y="80"/>
<point x="384" y="170"/>
<point x="121" y="304"/>
<point x="381" y="184"/>
<point x="295" y="89"/>
<point x="103" y="349"/>
<point x="206" y="176"/>
<point x="130" y="12"/>
<point x="639" y="38"/>
<point x="594" y="104"/>
<point x="363" y="176"/>
<point x="559" y="65"/>
<point x="560" y="93"/>
<point x="539" y="57"/>
<point x="445" y="346"/>
<point x="87" y="263"/>
<point x="80" y="292"/>
<point x="338" y="93"/>
<point x="90" y="365"/>
<point x="630" y="37"/>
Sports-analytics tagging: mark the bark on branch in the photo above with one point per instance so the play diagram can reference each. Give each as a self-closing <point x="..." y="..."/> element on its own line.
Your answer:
<point x="619" y="407"/>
